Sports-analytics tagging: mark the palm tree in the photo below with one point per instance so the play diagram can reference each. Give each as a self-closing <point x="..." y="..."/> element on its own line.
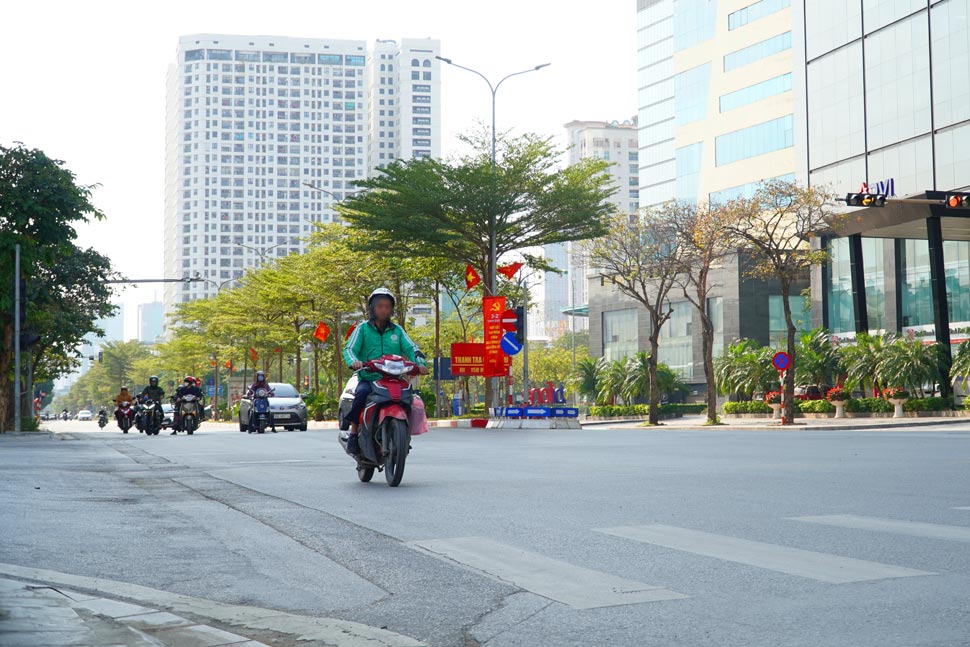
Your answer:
<point x="911" y="364"/>
<point x="744" y="368"/>
<point x="960" y="369"/>
<point x="610" y="378"/>
<point x="864" y="361"/>
<point x="636" y="384"/>
<point x="819" y="360"/>
<point x="586" y="377"/>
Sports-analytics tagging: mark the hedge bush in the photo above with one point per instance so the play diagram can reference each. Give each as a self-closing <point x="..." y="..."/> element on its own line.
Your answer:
<point x="625" y="410"/>
<point x="869" y="405"/>
<point x="928" y="404"/>
<point x="752" y="406"/>
<point x="815" y="406"/>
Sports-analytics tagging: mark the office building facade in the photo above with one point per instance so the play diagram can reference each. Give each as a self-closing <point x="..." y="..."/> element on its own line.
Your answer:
<point x="716" y="118"/>
<point x="885" y="105"/>
<point x="253" y="120"/>
<point x="151" y="321"/>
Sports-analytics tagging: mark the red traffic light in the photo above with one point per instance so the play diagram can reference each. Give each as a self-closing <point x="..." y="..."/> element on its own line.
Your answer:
<point x="865" y="200"/>
<point x="958" y="200"/>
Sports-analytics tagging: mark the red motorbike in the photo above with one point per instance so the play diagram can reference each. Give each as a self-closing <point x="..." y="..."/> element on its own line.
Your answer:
<point x="126" y="416"/>
<point x="385" y="427"/>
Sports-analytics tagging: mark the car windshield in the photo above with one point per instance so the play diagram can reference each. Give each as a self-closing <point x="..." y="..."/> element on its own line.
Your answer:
<point x="284" y="390"/>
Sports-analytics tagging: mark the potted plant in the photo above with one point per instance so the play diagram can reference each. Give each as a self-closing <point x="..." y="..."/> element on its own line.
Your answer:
<point x="898" y="397"/>
<point x="838" y="396"/>
<point x="773" y="400"/>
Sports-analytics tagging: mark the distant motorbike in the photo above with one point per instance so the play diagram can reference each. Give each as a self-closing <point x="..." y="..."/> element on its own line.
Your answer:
<point x="190" y="410"/>
<point x="260" y="415"/>
<point x="385" y="433"/>
<point x="102" y="418"/>
<point x="140" y="415"/>
<point x="151" y="417"/>
<point x="126" y="416"/>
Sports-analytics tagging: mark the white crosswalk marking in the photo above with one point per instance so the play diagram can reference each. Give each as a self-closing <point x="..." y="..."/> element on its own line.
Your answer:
<point x="580" y="588"/>
<point x="963" y="508"/>
<point x="793" y="561"/>
<point x="896" y="526"/>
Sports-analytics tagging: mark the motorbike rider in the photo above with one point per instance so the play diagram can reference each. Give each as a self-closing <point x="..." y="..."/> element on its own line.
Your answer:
<point x="152" y="392"/>
<point x="372" y="339"/>
<point x="260" y="382"/>
<point x="121" y="398"/>
<point x="188" y="387"/>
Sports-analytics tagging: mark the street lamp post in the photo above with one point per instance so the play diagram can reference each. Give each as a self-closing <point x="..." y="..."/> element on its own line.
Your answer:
<point x="492" y="234"/>
<point x="261" y="251"/>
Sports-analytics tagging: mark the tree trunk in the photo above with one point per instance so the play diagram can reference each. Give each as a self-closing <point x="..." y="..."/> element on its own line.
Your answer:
<point x="437" y="349"/>
<point x="6" y="385"/>
<point x="789" y="385"/>
<point x="316" y="369"/>
<point x="299" y="359"/>
<point x="707" y="349"/>
<point x="654" y="387"/>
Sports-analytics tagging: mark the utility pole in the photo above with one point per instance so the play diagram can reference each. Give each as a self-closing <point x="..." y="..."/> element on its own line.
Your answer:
<point x="16" y="338"/>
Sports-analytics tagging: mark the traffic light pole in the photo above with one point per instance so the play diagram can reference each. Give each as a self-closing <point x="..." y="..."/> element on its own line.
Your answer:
<point x="525" y="342"/>
<point x="16" y="338"/>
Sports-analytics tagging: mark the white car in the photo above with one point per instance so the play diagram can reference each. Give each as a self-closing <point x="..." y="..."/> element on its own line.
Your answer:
<point x="85" y="414"/>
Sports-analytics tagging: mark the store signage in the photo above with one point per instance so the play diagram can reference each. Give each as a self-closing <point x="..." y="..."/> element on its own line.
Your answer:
<point x="885" y="187"/>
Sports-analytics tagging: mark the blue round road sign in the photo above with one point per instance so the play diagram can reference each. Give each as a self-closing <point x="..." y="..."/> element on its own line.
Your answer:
<point x="510" y="345"/>
<point x="781" y="361"/>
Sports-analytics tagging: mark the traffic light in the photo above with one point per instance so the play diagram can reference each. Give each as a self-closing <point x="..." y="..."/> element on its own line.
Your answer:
<point x="100" y="357"/>
<point x="306" y="381"/>
<point x="958" y="200"/>
<point x="520" y="331"/>
<point x="865" y="200"/>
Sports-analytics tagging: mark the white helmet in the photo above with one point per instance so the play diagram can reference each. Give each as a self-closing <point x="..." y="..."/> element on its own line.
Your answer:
<point x="381" y="292"/>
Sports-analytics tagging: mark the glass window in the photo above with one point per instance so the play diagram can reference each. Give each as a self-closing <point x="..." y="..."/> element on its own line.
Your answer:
<point x="657" y="112"/>
<point x="951" y="62"/>
<point x="690" y="94"/>
<point x="898" y="82"/>
<point x="218" y="54"/>
<point x="841" y="311"/>
<point x="836" y="118"/>
<point x="694" y="22"/>
<point x="830" y="24"/>
<point x="354" y="60"/>
<point x="752" y="12"/>
<point x="250" y="57"/>
<point x="331" y="59"/>
<point x="753" y="141"/>
<point x="676" y="348"/>
<point x="688" y="171"/>
<point x="744" y="190"/>
<point x="194" y="54"/>
<point x="953" y="158"/>
<point x="879" y="13"/>
<point x="619" y="334"/>
<point x="917" y="297"/>
<point x="801" y="316"/>
<point x="843" y="177"/>
<point x="758" y="51"/>
<point x="756" y="92"/>
<point x="275" y="57"/>
<point x="909" y="165"/>
<point x="715" y="310"/>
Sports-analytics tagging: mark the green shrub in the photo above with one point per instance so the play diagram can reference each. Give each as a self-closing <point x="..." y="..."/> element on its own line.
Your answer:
<point x="629" y="410"/>
<point x="752" y="406"/>
<point x="928" y="404"/>
<point x="869" y="405"/>
<point x="815" y="406"/>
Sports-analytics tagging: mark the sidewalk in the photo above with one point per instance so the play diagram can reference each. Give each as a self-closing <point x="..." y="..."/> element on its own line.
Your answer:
<point x="34" y="615"/>
<point x="696" y="422"/>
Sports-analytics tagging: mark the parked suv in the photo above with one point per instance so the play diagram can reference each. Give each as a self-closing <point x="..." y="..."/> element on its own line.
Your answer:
<point x="286" y="405"/>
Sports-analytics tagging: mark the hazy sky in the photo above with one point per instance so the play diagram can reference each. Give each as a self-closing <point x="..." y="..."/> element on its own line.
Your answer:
<point x="85" y="82"/>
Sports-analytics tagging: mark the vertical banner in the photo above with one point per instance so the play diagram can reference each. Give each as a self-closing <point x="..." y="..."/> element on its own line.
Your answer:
<point x="492" y="310"/>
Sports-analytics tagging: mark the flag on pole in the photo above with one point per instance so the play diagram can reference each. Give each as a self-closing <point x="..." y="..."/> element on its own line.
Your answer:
<point x="277" y="350"/>
<point x="252" y="354"/>
<point x="508" y="271"/>
<point x="350" y="331"/>
<point x="471" y="277"/>
<point x="228" y="365"/>
<point x="322" y="332"/>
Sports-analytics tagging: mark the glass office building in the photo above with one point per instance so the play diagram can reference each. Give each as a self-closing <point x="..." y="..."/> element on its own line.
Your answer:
<point x="885" y="102"/>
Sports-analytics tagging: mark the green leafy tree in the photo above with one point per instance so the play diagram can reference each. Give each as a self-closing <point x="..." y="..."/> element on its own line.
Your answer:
<point x="40" y="204"/>
<point x="911" y="364"/>
<point x="744" y="369"/>
<point x="776" y="228"/>
<point x="960" y="370"/>
<point x="586" y="378"/>
<point x="610" y="379"/>
<point x="641" y="257"/>
<point x="819" y="359"/>
<point x="864" y="359"/>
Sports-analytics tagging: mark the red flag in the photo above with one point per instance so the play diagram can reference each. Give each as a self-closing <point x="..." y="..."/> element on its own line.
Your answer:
<point x="349" y="332"/>
<point x="508" y="271"/>
<point x="252" y="354"/>
<point x="228" y="365"/>
<point x="471" y="277"/>
<point x="277" y="350"/>
<point x="322" y="332"/>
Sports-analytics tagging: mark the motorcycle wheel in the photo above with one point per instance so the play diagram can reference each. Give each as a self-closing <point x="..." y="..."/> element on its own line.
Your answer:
<point x="396" y="445"/>
<point x="365" y="474"/>
<point x="190" y="426"/>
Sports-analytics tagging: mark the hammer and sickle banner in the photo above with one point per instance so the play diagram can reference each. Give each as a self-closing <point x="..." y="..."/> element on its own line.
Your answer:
<point x="493" y="308"/>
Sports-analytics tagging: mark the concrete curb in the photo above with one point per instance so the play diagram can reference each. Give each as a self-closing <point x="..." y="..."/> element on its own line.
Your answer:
<point x="331" y="631"/>
<point x="905" y="425"/>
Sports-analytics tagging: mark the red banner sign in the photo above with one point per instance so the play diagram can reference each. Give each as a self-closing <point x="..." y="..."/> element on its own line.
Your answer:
<point x="493" y="309"/>
<point x="469" y="359"/>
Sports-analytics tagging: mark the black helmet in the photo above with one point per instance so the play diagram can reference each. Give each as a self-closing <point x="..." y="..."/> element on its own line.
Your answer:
<point x="153" y="380"/>
<point x="260" y="375"/>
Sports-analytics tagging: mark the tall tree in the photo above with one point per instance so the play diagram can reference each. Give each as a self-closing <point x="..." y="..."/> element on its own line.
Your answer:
<point x="701" y="232"/>
<point x="40" y="204"/>
<point x="776" y="228"/>
<point x="641" y="256"/>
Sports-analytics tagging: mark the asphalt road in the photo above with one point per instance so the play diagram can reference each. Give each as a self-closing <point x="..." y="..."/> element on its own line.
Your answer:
<point x="625" y="538"/>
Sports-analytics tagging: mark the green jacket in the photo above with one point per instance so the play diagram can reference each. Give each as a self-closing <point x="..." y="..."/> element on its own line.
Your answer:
<point x="367" y="343"/>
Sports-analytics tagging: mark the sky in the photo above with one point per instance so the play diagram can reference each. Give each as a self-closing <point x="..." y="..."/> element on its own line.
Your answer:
<point x="85" y="82"/>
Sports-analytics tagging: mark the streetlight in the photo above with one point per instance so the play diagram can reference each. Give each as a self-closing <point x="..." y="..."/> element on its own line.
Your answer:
<point x="492" y="234"/>
<point x="261" y="251"/>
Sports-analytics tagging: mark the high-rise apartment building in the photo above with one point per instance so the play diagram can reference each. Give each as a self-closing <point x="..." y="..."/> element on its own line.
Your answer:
<point x="715" y="119"/>
<point x="253" y="120"/>
<point x="151" y="320"/>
